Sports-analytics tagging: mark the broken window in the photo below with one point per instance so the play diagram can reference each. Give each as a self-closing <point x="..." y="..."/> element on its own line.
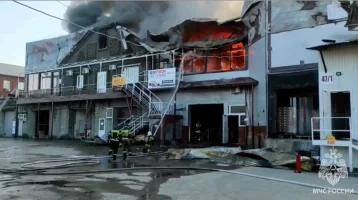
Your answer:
<point x="217" y="61"/>
<point x="214" y="60"/>
<point x="102" y="42"/>
<point x="238" y="59"/>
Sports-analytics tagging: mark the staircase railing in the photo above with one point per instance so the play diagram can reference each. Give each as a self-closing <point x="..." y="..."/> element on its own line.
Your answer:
<point x="4" y="103"/>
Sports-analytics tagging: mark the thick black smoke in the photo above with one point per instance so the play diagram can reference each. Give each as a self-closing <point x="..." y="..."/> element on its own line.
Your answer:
<point x="140" y="16"/>
<point x="128" y="14"/>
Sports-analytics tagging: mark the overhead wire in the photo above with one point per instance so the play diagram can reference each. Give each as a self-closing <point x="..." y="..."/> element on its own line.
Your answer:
<point x="63" y="4"/>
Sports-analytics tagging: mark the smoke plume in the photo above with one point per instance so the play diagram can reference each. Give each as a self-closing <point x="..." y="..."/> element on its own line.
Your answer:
<point x="140" y="16"/>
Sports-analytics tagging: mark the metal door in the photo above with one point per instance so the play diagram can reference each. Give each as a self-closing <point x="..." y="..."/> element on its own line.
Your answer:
<point x="101" y="82"/>
<point x="131" y="74"/>
<point x="102" y="129"/>
<point x="225" y="130"/>
<point x="9" y="117"/>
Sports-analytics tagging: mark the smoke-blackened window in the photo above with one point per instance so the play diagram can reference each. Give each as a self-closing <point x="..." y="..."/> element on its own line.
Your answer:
<point x="102" y="41"/>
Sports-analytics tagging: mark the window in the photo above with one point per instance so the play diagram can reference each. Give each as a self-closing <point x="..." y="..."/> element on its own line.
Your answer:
<point x="33" y="82"/>
<point x="46" y="80"/>
<point x="79" y="83"/>
<point x="215" y="61"/>
<point x="102" y="41"/>
<point x="21" y="86"/>
<point x="7" y="85"/>
<point x="237" y="109"/>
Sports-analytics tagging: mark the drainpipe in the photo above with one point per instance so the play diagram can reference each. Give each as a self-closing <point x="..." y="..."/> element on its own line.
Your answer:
<point x="323" y="61"/>
<point x="17" y="121"/>
<point x="252" y="117"/>
<point x="51" y="120"/>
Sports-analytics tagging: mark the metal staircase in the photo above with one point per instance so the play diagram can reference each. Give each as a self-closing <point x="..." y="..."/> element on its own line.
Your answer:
<point x="4" y="103"/>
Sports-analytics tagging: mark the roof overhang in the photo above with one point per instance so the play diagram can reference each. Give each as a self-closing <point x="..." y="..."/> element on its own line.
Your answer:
<point x="235" y="82"/>
<point x="332" y="45"/>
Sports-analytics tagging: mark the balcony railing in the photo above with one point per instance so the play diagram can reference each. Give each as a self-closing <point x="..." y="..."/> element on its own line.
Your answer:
<point x="67" y="91"/>
<point x="323" y="128"/>
<point x="158" y="108"/>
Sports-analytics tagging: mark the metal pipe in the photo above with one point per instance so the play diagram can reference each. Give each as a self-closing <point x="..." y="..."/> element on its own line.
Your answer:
<point x="252" y="117"/>
<point x="52" y="110"/>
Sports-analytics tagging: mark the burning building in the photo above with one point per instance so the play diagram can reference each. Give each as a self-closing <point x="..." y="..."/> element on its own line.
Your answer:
<point x="207" y="67"/>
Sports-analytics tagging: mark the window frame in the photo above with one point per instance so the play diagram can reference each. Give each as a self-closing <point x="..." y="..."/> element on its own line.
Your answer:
<point x="7" y="83"/>
<point x="21" y="84"/>
<point x="221" y="70"/>
<point x="79" y="81"/>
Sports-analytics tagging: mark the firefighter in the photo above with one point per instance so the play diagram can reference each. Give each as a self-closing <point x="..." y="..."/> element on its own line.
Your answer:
<point x="126" y="141"/>
<point x="198" y="131"/>
<point x="114" y="141"/>
<point x="149" y="142"/>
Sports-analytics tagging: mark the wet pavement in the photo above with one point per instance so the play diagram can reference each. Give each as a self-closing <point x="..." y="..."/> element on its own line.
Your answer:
<point x="132" y="185"/>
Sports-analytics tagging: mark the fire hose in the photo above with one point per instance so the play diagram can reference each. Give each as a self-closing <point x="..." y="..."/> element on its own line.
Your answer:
<point x="187" y="168"/>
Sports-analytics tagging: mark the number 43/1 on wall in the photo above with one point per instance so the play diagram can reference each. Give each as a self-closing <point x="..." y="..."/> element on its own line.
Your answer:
<point x="327" y="79"/>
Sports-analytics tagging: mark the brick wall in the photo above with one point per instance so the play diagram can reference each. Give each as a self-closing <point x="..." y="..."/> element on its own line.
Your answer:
<point x="13" y="83"/>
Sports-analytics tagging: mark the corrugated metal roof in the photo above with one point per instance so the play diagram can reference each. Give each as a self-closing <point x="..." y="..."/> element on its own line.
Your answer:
<point x="11" y="70"/>
<point x="47" y="54"/>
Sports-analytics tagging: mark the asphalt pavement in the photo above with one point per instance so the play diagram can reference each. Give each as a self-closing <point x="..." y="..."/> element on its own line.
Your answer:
<point x="147" y="184"/>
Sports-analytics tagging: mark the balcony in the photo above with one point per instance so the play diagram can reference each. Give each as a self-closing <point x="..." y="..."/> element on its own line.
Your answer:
<point x="69" y="93"/>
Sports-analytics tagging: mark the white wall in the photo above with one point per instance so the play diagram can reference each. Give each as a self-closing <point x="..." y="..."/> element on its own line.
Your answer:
<point x="289" y="48"/>
<point x="342" y="59"/>
<point x="216" y="76"/>
<point x="344" y="152"/>
<point x="208" y="96"/>
<point x="257" y="69"/>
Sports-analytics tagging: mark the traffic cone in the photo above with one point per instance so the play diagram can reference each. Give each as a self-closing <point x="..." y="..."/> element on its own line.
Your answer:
<point x="298" y="163"/>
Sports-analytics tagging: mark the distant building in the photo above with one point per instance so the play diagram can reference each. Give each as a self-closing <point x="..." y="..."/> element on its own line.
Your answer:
<point x="11" y="78"/>
<point x="11" y="83"/>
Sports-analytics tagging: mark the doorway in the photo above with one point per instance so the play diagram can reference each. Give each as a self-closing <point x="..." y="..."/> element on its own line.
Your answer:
<point x="43" y="124"/>
<point x="233" y="125"/>
<point x="340" y="112"/>
<point x="210" y="118"/>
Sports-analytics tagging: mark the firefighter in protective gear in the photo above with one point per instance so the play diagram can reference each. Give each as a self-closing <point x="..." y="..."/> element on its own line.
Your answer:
<point x="149" y="142"/>
<point x="125" y="137"/>
<point x="114" y="141"/>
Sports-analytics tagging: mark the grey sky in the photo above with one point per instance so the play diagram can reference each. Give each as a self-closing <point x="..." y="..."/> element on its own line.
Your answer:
<point x="20" y="25"/>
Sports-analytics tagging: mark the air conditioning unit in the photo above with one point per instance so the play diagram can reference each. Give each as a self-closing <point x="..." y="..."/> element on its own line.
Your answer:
<point x="69" y="73"/>
<point x="22" y="117"/>
<point x="85" y="70"/>
<point x="112" y="67"/>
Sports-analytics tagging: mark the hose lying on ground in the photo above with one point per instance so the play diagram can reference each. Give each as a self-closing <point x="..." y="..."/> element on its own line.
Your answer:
<point x="73" y="161"/>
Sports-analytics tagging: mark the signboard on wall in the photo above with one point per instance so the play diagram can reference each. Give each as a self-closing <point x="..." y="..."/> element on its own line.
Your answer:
<point x="326" y="79"/>
<point x="118" y="81"/>
<point x="161" y="78"/>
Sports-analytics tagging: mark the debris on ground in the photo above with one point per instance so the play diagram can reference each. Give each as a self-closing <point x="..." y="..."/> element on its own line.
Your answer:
<point x="236" y="156"/>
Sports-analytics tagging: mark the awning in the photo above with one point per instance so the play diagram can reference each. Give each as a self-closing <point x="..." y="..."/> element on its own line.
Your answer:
<point x="242" y="81"/>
